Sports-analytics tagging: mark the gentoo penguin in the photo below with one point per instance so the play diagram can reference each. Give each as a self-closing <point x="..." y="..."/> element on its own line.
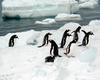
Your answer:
<point x="63" y="41"/>
<point x="75" y="37"/>
<point x="54" y="49"/>
<point x="45" y="39"/>
<point x="68" y="47"/>
<point x="85" y="40"/>
<point x="11" y="40"/>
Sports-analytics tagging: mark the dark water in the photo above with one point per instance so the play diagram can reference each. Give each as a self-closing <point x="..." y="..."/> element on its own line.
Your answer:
<point x="10" y="26"/>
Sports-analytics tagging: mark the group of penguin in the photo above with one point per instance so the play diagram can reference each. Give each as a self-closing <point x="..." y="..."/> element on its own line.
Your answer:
<point x="54" y="47"/>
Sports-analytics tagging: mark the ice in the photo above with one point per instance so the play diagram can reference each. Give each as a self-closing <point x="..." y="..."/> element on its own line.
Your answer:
<point x="64" y="16"/>
<point x="25" y="61"/>
<point x="46" y="21"/>
<point x="36" y="8"/>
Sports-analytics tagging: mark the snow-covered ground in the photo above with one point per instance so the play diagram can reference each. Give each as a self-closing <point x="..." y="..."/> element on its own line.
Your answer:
<point x="25" y="61"/>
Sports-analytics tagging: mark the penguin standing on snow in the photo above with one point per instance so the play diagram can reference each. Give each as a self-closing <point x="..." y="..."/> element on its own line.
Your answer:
<point x="75" y="38"/>
<point x="11" y="40"/>
<point x="45" y="39"/>
<point x="54" y="48"/>
<point x="63" y="41"/>
<point x="68" y="47"/>
<point x="85" y="40"/>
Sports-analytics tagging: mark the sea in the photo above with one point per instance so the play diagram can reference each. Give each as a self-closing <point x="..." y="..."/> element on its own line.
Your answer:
<point x="20" y="25"/>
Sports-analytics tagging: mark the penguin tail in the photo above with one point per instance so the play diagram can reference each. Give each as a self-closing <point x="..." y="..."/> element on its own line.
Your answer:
<point x="41" y="45"/>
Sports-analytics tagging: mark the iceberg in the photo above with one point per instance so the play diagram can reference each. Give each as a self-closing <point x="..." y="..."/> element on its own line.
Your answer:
<point x="37" y="8"/>
<point x="64" y="16"/>
<point x="46" y="21"/>
<point x="88" y="4"/>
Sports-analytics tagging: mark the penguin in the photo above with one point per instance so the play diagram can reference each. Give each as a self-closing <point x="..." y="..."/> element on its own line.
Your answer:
<point x="49" y="59"/>
<point x="11" y="40"/>
<point x="54" y="48"/>
<point x="63" y="41"/>
<point x="68" y="47"/>
<point x="45" y="39"/>
<point x="75" y="37"/>
<point x="85" y="40"/>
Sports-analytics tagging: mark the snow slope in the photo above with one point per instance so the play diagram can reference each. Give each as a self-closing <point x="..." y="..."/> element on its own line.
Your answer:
<point x="25" y="61"/>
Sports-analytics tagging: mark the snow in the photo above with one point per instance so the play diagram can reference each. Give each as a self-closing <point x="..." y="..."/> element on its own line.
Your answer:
<point x="88" y="55"/>
<point x="25" y="61"/>
<point x="37" y="8"/>
<point x="64" y="16"/>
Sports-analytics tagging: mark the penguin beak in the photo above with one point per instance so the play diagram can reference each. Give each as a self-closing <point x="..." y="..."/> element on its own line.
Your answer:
<point x="17" y="37"/>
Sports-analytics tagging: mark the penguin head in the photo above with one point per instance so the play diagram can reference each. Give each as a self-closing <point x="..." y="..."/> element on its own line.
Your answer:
<point x="67" y="30"/>
<point x="78" y="29"/>
<point x="49" y="33"/>
<point x="90" y="33"/>
<point x="14" y="36"/>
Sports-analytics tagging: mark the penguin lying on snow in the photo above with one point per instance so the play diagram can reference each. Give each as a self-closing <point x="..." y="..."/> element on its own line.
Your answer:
<point x="49" y="59"/>
<point x="45" y="39"/>
<point x="86" y="38"/>
<point x="63" y="41"/>
<point x="11" y="40"/>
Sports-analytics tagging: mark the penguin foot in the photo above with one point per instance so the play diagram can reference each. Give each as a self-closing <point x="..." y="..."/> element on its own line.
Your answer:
<point x="65" y="54"/>
<point x="70" y="56"/>
<point x="80" y="45"/>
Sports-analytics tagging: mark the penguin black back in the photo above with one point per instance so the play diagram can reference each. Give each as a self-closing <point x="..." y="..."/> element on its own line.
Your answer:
<point x="11" y="40"/>
<point x="68" y="47"/>
<point x="63" y="41"/>
<point x="49" y="59"/>
<point x="75" y="37"/>
<point x="54" y="48"/>
<point x="85" y="40"/>
<point x="45" y="39"/>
